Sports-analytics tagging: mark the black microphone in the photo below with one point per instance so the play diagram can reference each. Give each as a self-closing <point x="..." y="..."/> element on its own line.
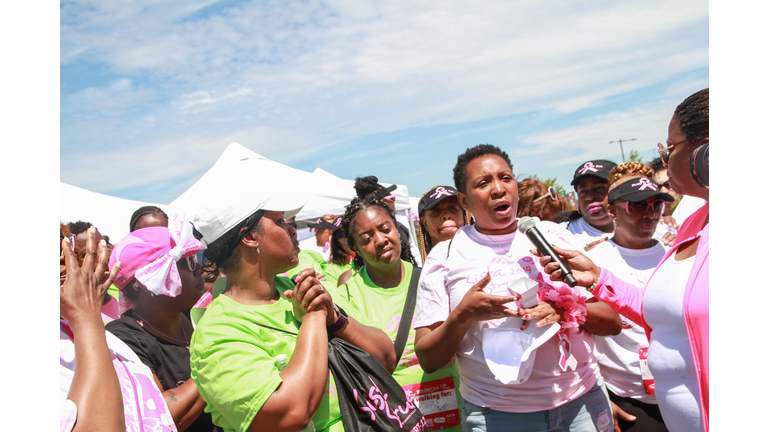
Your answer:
<point x="527" y="226"/>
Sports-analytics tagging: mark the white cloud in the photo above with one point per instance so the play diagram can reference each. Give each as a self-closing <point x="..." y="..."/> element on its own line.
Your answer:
<point x="315" y="73"/>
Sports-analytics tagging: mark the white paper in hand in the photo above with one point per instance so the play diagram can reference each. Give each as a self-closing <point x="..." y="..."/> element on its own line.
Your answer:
<point x="510" y="352"/>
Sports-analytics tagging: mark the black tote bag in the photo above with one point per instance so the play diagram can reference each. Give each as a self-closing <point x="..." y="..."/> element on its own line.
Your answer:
<point x="370" y="400"/>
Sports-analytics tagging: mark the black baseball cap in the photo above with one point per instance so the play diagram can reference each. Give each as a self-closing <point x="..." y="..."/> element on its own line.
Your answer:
<point x="385" y="191"/>
<point x="434" y="196"/>
<point x="595" y="168"/>
<point x="324" y="224"/>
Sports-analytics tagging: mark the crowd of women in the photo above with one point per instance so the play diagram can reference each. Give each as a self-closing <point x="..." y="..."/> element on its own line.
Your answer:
<point x="495" y="340"/>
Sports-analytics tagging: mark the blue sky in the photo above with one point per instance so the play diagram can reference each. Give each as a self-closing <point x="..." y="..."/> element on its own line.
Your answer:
<point x="151" y="92"/>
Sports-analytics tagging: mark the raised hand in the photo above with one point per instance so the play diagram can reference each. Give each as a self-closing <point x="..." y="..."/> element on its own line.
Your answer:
<point x="84" y="287"/>
<point x="582" y="268"/>
<point x="309" y="295"/>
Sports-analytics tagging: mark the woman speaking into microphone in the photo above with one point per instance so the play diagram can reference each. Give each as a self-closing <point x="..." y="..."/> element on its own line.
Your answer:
<point x="673" y="306"/>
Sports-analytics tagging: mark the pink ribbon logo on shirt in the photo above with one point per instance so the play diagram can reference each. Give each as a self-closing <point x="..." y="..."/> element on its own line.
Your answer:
<point x="440" y="191"/>
<point x="645" y="183"/>
<point x="589" y="166"/>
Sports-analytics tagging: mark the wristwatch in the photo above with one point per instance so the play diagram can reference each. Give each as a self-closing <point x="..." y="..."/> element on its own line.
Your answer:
<point x="341" y="319"/>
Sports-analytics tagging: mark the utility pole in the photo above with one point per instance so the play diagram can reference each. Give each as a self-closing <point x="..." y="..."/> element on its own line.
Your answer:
<point x="620" y="141"/>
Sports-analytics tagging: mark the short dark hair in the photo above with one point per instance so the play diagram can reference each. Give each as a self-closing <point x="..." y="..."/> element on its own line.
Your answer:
<point x="460" y="170"/>
<point x="693" y="116"/>
<point x="78" y="227"/>
<point x="657" y="165"/>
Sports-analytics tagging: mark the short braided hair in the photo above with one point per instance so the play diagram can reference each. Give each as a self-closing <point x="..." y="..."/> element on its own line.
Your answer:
<point x="693" y="116"/>
<point x="628" y="171"/>
<point x="354" y="208"/>
<point x="144" y="211"/>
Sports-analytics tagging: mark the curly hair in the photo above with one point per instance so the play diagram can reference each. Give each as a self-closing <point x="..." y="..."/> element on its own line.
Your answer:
<point x="425" y="242"/>
<point x="693" y="116"/>
<point x="628" y="171"/>
<point x="367" y="185"/>
<point x="144" y="211"/>
<point x="545" y="209"/>
<point x="347" y="224"/>
<point x="78" y="227"/>
<point x="460" y="170"/>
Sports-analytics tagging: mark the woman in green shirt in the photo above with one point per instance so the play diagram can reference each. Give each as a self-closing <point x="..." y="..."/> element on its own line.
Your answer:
<point x="376" y="296"/>
<point x="259" y="355"/>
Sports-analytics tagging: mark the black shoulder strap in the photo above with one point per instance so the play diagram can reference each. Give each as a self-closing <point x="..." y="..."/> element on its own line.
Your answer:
<point x="407" y="316"/>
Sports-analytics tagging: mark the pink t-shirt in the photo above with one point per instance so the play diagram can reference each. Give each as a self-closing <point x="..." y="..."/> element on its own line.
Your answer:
<point x="452" y="268"/>
<point x="144" y="408"/>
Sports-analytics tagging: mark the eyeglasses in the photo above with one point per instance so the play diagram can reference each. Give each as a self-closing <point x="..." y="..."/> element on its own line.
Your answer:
<point x="665" y="150"/>
<point x="551" y="193"/>
<point x="639" y="208"/>
<point x="190" y="262"/>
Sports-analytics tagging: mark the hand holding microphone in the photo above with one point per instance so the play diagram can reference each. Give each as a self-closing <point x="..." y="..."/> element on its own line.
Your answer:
<point x="579" y="267"/>
<point x="527" y="226"/>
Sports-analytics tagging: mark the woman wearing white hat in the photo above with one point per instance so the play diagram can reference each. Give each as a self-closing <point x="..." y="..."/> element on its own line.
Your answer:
<point x="259" y="355"/>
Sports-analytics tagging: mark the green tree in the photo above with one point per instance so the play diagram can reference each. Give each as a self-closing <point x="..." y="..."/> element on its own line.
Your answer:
<point x="634" y="156"/>
<point x="551" y="182"/>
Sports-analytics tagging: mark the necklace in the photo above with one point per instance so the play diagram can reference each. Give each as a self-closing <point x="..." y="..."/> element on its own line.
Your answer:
<point x="506" y="251"/>
<point x="186" y="342"/>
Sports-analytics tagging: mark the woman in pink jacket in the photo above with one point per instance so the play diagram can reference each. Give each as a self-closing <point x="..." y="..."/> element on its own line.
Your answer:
<point x="673" y="307"/>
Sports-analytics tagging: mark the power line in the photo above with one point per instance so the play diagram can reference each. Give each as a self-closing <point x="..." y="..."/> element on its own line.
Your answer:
<point x="620" y="141"/>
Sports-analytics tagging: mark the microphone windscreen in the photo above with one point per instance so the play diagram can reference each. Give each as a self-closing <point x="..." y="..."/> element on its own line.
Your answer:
<point x="526" y="223"/>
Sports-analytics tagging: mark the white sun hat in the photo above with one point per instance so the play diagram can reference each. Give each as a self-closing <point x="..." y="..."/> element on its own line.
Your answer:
<point x="245" y="187"/>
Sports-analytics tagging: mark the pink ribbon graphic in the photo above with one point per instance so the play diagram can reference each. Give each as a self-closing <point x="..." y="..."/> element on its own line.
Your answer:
<point x="589" y="166"/>
<point x="645" y="183"/>
<point x="440" y="191"/>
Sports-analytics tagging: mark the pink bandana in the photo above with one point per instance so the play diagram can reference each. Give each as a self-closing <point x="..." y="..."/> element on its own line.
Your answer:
<point x="149" y="255"/>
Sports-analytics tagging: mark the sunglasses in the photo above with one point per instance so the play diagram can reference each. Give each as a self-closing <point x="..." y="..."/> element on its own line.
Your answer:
<point x="639" y="208"/>
<point x="665" y="150"/>
<point x="190" y="262"/>
<point x="551" y="193"/>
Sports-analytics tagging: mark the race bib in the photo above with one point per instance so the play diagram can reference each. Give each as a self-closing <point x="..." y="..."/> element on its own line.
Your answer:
<point x="437" y="400"/>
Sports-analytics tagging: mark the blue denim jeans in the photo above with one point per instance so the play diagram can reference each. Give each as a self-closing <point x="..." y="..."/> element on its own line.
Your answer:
<point x="589" y="413"/>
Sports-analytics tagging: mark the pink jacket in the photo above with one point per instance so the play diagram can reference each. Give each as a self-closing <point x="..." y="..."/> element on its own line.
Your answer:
<point x="627" y="299"/>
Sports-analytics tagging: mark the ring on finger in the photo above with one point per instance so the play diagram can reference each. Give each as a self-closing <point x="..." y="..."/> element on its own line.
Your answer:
<point x="322" y="290"/>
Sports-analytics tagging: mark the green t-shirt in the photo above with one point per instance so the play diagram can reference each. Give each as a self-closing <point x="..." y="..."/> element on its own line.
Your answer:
<point x="234" y="361"/>
<point x="307" y="259"/>
<point x="334" y="271"/>
<point x="382" y="308"/>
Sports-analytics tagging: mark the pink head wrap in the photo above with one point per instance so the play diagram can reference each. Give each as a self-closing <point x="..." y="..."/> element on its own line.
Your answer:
<point x="149" y="255"/>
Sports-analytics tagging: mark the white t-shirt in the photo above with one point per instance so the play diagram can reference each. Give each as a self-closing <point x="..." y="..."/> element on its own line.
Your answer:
<point x="584" y="232"/>
<point x="451" y="269"/>
<point x="669" y="354"/>
<point x="619" y="355"/>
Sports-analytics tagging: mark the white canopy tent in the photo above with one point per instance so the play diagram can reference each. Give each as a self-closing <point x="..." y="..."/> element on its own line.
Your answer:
<point x="111" y="215"/>
<point x="329" y="195"/>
